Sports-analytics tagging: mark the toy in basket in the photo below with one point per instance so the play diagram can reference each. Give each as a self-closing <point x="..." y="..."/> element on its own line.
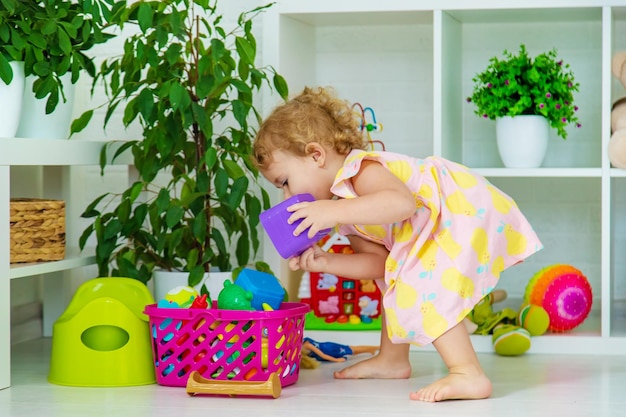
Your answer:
<point x="280" y="232"/>
<point x="227" y="345"/>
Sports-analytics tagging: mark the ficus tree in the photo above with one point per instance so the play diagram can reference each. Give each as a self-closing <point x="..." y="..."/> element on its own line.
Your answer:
<point x="192" y="85"/>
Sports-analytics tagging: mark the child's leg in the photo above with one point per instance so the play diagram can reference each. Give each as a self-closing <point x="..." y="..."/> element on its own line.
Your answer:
<point x="392" y="362"/>
<point x="466" y="379"/>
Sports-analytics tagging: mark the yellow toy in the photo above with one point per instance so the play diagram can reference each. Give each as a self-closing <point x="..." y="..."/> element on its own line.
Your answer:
<point x="533" y="318"/>
<point x="482" y="319"/>
<point x="179" y="297"/>
<point x="510" y="340"/>
<point x="102" y="339"/>
<point x="511" y="330"/>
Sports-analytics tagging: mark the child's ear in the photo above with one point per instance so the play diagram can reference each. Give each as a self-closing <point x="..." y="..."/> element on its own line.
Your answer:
<point x="317" y="152"/>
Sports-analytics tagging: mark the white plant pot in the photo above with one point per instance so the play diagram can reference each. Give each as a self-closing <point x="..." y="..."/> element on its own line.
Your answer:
<point x="164" y="281"/>
<point x="522" y="140"/>
<point x="11" y="97"/>
<point x="35" y="123"/>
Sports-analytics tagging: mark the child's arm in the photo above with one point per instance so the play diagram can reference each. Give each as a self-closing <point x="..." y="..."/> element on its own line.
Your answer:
<point x="382" y="199"/>
<point x="368" y="261"/>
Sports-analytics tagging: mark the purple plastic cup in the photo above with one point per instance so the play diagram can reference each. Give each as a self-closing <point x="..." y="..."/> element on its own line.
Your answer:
<point x="274" y="220"/>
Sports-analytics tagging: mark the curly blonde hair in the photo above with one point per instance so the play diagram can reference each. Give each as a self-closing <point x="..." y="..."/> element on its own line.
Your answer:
<point x="315" y="115"/>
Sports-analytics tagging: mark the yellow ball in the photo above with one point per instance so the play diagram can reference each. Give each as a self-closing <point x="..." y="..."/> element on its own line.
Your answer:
<point x="183" y="296"/>
<point x="510" y="340"/>
<point x="533" y="318"/>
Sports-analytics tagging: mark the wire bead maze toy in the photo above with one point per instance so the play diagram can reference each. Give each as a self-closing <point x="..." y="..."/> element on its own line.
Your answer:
<point x="366" y="126"/>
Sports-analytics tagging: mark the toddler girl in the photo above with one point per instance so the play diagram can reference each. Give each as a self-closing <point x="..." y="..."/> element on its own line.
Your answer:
<point x="438" y="233"/>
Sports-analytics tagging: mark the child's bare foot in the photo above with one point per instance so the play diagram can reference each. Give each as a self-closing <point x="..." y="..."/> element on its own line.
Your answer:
<point x="455" y="386"/>
<point x="377" y="367"/>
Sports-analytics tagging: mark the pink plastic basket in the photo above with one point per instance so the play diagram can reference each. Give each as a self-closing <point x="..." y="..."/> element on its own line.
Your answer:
<point x="226" y="344"/>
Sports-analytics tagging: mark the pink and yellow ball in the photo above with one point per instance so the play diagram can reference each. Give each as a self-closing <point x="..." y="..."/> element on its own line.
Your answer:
<point x="564" y="293"/>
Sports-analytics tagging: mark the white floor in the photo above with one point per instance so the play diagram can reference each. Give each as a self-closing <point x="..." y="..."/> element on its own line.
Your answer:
<point x="529" y="385"/>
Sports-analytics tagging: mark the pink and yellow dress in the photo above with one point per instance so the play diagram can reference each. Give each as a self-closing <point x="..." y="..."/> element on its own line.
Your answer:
<point x="446" y="257"/>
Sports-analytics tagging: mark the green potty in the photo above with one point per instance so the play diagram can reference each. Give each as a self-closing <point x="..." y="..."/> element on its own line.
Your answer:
<point x="103" y="338"/>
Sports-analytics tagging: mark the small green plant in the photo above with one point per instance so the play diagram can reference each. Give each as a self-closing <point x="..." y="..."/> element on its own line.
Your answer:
<point x="51" y="37"/>
<point x="519" y="85"/>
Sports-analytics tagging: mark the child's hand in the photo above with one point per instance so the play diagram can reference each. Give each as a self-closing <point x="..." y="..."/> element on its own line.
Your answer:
<point x="315" y="215"/>
<point x="313" y="259"/>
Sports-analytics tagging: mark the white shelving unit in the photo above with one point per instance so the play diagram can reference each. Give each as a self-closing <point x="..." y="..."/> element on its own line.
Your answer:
<point x="56" y="157"/>
<point x="413" y="63"/>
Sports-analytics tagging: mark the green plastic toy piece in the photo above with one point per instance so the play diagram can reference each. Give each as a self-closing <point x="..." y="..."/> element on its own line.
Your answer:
<point x="233" y="297"/>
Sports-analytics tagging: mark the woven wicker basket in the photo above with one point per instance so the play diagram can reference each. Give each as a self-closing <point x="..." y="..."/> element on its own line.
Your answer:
<point x="37" y="230"/>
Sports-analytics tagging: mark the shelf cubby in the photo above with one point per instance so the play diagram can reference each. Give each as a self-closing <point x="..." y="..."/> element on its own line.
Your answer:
<point x="413" y="63"/>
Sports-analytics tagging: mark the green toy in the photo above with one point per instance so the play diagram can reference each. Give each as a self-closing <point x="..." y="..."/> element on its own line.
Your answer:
<point x="511" y="330"/>
<point x="233" y="297"/>
<point x="510" y="340"/>
<point x="485" y="319"/>
<point x="533" y="318"/>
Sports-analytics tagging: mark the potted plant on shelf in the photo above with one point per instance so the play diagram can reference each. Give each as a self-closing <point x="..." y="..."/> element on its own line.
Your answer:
<point x="49" y="39"/>
<point x="192" y="85"/>
<point x="536" y="92"/>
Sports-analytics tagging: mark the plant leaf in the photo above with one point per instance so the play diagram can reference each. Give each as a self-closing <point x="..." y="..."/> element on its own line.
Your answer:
<point x="80" y="123"/>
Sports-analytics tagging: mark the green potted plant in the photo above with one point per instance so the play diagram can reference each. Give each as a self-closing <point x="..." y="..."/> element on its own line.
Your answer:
<point x="191" y="84"/>
<point x="51" y="37"/>
<point x="519" y="86"/>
